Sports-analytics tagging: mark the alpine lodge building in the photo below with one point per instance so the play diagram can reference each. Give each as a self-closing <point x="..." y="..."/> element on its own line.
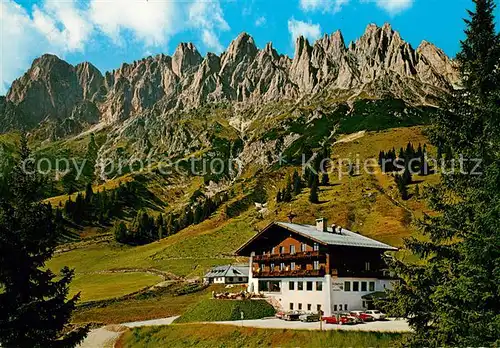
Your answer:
<point x="312" y="268"/>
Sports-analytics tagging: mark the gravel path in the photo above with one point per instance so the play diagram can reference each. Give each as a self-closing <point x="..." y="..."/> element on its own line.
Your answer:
<point x="377" y="326"/>
<point x="105" y="337"/>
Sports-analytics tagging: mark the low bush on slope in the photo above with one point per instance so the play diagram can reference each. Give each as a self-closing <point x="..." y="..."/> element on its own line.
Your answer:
<point x="226" y="310"/>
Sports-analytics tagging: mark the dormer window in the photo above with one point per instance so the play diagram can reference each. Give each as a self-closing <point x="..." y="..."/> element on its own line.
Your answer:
<point x="292" y="249"/>
<point x="316" y="247"/>
<point x="282" y="250"/>
<point x="303" y="247"/>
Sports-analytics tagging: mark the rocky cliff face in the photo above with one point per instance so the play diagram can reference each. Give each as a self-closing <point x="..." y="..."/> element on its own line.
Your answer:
<point x="379" y="63"/>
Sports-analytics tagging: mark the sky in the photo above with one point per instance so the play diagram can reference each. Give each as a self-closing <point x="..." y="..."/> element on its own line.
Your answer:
<point x="108" y="33"/>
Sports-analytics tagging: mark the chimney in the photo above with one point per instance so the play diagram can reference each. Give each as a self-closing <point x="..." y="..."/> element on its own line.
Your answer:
<point x="321" y="225"/>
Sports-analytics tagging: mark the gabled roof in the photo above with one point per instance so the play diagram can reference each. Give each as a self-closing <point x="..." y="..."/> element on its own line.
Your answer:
<point x="228" y="271"/>
<point x="345" y="238"/>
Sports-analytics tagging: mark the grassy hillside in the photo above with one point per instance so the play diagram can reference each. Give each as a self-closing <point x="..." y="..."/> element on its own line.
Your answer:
<point x="226" y="310"/>
<point x="162" y="303"/>
<point x="369" y="204"/>
<point x="208" y="336"/>
<point x="95" y="287"/>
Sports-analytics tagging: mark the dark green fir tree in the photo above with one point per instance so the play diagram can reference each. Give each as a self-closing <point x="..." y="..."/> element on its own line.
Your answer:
<point x="35" y="309"/>
<point x="451" y="296"/>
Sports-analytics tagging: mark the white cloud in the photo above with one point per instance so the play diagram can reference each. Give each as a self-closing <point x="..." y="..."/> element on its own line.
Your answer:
<point x="261" y="21"/>
<point x="60" y="27"/>
<point x="151" y="22"/>
<point x="393" y="7"/>
<point x="76" y="29"/>
<point x="298" y="28"/>
<point x="208" y="17"/>
<point x="332" y="6"/>
<point x="56" y="28"/>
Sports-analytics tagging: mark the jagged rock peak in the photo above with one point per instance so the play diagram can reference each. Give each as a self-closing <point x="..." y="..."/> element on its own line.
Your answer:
<point x="243" y="44"/>
<point x="186" y="56"/>
<point x="301" y="46"/>
<point x="89" y="78"/>
<point x="333" y="44"/>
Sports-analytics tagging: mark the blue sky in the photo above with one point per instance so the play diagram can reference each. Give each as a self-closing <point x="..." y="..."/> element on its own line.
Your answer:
<point x="110" y="32"/>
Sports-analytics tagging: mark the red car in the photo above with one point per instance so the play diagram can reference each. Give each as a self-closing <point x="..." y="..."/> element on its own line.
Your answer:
<point x="339" y="320"/>
<point x="362" y="315"/>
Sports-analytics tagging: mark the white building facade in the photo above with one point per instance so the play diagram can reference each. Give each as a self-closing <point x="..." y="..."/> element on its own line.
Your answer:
<point x="310" y="268"/>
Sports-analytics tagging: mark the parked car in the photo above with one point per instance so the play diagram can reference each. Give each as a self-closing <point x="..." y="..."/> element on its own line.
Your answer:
<point x="363" y="316"/>
<point x="376" y="314"/>
<point x="339" y="320"/>
<point x="280" y="314"/>
<point x="354" y="318"/>
<point x="292" y="316"/>
<point x="309" y="317"/>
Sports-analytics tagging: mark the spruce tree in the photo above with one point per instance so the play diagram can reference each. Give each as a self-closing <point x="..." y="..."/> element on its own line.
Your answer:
<point x="34" y="311"/>
<point x="451" y="296"/>
<point x="297" y="184"/>
<point x="325" y="179"/>
<point x="313" y="195"/>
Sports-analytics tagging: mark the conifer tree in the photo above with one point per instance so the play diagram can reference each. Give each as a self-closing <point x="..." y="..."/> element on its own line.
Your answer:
<point x="34" y="311"/>
<point x="451" y="296"/>
<point x="313" y="195"/>
<point x="325" y="179"/>
<point x="297" y="183"/>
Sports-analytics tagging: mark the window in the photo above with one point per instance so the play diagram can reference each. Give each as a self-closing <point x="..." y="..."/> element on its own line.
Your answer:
<point x="303" y="247"/>
<point x="372" y="286"/>
<point x="292" y="249"/>
<point x="309" y="286"/>
<point x="318" y="307"/>
<point x="355" y="286"/>
<point x="282" y="266"/>
<point x="335" y="308"/>
<point x="240" y="279"/>
<point x="340" y="307"/>
<point x="300" y="306"/>
<point x="309" y="307"/>
<point x="300" y="286"/>
<point x="316" y="265"/>
<point x="291" y="306"/>
<point x="269" y="286"/>
<point x="292" y="266"/>
<point x="291" y="285"/>
<point x="273" y="250"/>
<point x="367" y="266"/>
<point x="347" y="286"/>
<point x="345" y="307"/>
<point x="363" y="286"/>
<point x="262" y="267"/>
<point x="364" y="304"/>
<point x="319" y="286"/>
<point x="230" y="279"/>
<point x="316" y="247"/>
<point x="272" y="267"/>
<point x="282" y="250"/>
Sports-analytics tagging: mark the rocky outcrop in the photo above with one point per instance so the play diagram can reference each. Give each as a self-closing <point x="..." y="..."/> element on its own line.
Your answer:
<point x="379" y="63"/>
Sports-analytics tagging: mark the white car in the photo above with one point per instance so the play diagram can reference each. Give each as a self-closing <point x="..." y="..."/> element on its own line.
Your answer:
<point x="376" y="314"/>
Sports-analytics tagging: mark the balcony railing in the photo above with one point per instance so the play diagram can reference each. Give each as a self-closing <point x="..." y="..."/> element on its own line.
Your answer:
<point x="288" y="273"/>
<point x="285" y="257"/>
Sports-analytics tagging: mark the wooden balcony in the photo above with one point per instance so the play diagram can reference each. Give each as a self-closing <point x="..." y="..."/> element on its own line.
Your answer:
<point x="290" y="274"/>
<point x="305" y="255"/>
